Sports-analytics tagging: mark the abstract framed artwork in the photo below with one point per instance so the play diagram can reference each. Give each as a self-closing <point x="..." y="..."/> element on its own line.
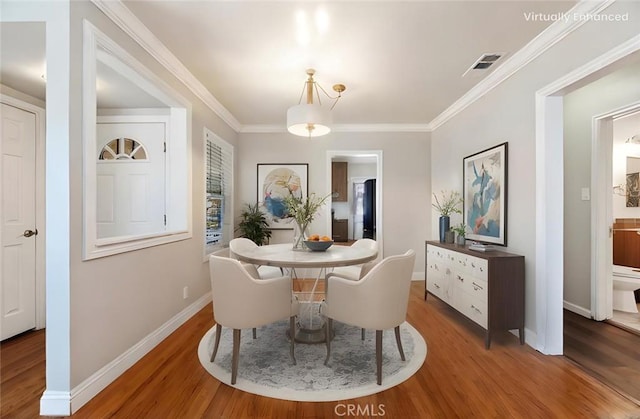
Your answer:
<point x="277" y="181"/>
<point x="485" y="195"/>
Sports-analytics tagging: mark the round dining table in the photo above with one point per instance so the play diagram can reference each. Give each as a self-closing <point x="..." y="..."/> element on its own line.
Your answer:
<point x="284" y="256"/>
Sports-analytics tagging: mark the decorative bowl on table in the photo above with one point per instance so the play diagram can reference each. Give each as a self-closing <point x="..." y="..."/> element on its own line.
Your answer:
<point x="318" y="245"/>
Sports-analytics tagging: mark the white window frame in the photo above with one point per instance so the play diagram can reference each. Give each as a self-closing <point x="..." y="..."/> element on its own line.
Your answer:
<point x="178" y="156"/>
<point x="228" y="219"/>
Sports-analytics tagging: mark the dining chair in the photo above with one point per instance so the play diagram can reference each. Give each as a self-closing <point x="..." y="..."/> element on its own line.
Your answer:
<point x="239" y="244"/>
<point x="241" y="302"/>
<point x="377" y="301"/>
<point x="356" y="272"/>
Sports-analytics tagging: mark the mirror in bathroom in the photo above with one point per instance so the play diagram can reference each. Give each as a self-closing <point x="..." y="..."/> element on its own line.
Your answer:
<point x="136" y="155"/>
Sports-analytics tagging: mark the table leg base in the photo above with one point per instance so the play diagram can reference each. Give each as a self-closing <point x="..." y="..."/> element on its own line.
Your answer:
<point x="311" y="335"/>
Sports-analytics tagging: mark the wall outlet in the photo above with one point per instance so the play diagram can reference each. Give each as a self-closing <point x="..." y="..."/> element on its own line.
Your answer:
<point x="185" y="292"/>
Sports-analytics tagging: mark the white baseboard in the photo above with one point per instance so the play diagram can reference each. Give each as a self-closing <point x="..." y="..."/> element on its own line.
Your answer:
<point x="90" y="387"/>
<point x="417" y="276"/>
<point x="585" y="312"/>
<point x="55" y="403"/>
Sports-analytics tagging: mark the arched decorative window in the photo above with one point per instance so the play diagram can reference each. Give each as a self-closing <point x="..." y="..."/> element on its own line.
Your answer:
<point x="123" y="149"/>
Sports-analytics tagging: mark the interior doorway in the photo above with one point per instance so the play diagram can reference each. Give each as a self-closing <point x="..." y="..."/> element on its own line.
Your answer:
<point x="603" y="213"/>
<point x="550" y="237"/>
<point x="23" y="281"/>
<point x="347" y="213"/>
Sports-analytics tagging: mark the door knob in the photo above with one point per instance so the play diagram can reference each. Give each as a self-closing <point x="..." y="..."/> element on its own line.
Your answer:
<point x="29" y="233"/>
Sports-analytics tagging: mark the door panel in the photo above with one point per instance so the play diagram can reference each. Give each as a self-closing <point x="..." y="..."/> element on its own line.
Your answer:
<point x="131" y="193"/>
<point x="17" y="215"/>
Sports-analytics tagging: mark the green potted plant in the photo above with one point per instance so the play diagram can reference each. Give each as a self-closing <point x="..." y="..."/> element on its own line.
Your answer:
<point x="447" y="205"/>
<point x="461" y="231"/>
<point x="253" y="225"/>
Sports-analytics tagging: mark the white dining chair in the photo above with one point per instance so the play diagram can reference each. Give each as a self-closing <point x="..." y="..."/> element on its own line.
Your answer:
<point x="355" y="272"/>
<point x="239" y="244"/>
<point x="241" y="302"/>
<point x="377" y="301"/>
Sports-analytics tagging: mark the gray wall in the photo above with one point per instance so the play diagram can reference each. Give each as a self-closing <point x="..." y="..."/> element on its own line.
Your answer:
<point x="580" y="106"/>
<point x="507" y="113"/>
<point x="117" y="301"/>
<point x="405" y="182"/>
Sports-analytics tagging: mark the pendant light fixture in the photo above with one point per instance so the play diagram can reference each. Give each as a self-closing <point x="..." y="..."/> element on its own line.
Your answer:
<point x="311" y="119"/>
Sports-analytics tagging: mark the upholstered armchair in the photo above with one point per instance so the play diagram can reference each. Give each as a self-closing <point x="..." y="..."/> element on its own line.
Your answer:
<point x="356" y="272"/>
<point x="241" y="302"/>
<point x="377" y="301"/>
<point x="242" y="243"/>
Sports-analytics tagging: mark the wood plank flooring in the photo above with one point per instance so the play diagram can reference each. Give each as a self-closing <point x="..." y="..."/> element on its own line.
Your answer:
<point x="608" y="352"/>
<point x="458" y="379"/>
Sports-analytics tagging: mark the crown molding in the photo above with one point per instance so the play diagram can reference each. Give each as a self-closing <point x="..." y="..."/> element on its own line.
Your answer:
<point x="132" y="26"/>
<point x="545" y="40"/>
<point x="263" y="129"/>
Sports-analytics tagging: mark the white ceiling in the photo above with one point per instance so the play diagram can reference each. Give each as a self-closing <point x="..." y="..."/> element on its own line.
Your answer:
<point x="402" y="62"/>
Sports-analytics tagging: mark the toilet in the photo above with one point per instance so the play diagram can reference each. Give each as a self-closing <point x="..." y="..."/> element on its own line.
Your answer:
<point x="625" y="281"/>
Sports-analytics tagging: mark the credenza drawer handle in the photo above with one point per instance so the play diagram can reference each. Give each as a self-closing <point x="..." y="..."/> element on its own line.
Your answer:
<point x="461" y="279"/>
<point x="436" y="285"/>
<point x="476" y="309"/>
<point x="476" y="287"/>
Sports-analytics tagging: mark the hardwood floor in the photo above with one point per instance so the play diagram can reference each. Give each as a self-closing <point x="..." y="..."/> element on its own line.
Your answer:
<point x="22" y="381"/>
<point x="458" y="379"/>
<point x="608" y="352"/>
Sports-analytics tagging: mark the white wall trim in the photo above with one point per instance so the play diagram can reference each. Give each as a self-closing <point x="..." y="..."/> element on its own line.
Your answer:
<point x="40" y="148"/>
<point x="628" y="47"/>
<point x="545" y="40"/>
<point x="98" y="381"/>
<point x="261" y="129"/>
<point x="549" y="265"/>
<point x="178" y="174"/>
<point x="574" y="308"/>
<point x="55" y="403"/>
<point x="131" y="25"/>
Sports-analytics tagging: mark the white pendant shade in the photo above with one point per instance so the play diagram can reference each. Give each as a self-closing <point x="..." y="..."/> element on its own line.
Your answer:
<point x="308" y="120"/>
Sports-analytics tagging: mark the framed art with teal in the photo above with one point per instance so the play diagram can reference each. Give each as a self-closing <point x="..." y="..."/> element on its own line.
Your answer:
<point x="485" y="195"/>
<point x="277" y="181"/>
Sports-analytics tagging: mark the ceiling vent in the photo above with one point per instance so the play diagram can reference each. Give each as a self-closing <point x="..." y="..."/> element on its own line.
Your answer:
<point x="484" y="62"/>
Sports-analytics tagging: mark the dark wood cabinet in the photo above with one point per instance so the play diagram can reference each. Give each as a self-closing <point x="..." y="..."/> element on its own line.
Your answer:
<point x="486" y="287"/>
<point x="340" y="230"/>
<point x="339" y="181"/>
<point x="626" y="242"/>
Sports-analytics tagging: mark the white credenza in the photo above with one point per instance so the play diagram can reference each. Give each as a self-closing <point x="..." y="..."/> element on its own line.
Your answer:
<point x="486" y="287"/>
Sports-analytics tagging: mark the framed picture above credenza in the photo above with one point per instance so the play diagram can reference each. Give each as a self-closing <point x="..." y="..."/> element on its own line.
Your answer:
<point x="485" y="195"/>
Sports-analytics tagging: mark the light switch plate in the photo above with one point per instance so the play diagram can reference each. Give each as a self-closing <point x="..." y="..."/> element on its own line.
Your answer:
<point x="585" y="194"/>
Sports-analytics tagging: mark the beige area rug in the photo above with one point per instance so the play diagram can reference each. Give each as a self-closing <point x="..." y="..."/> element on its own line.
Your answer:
<point x="265" y="367"/>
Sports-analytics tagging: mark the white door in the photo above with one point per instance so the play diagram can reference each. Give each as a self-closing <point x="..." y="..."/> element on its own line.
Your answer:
<point x="17" y="215"/>
<point x="131" y="179"/>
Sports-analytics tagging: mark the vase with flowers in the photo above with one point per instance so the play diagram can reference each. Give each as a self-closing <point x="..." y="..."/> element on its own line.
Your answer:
<point x="303" y="212"/>
<point x="448" y="204"/>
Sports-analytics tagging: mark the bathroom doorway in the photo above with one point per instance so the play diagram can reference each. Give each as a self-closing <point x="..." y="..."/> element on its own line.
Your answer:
<point x="615" y="233"/>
